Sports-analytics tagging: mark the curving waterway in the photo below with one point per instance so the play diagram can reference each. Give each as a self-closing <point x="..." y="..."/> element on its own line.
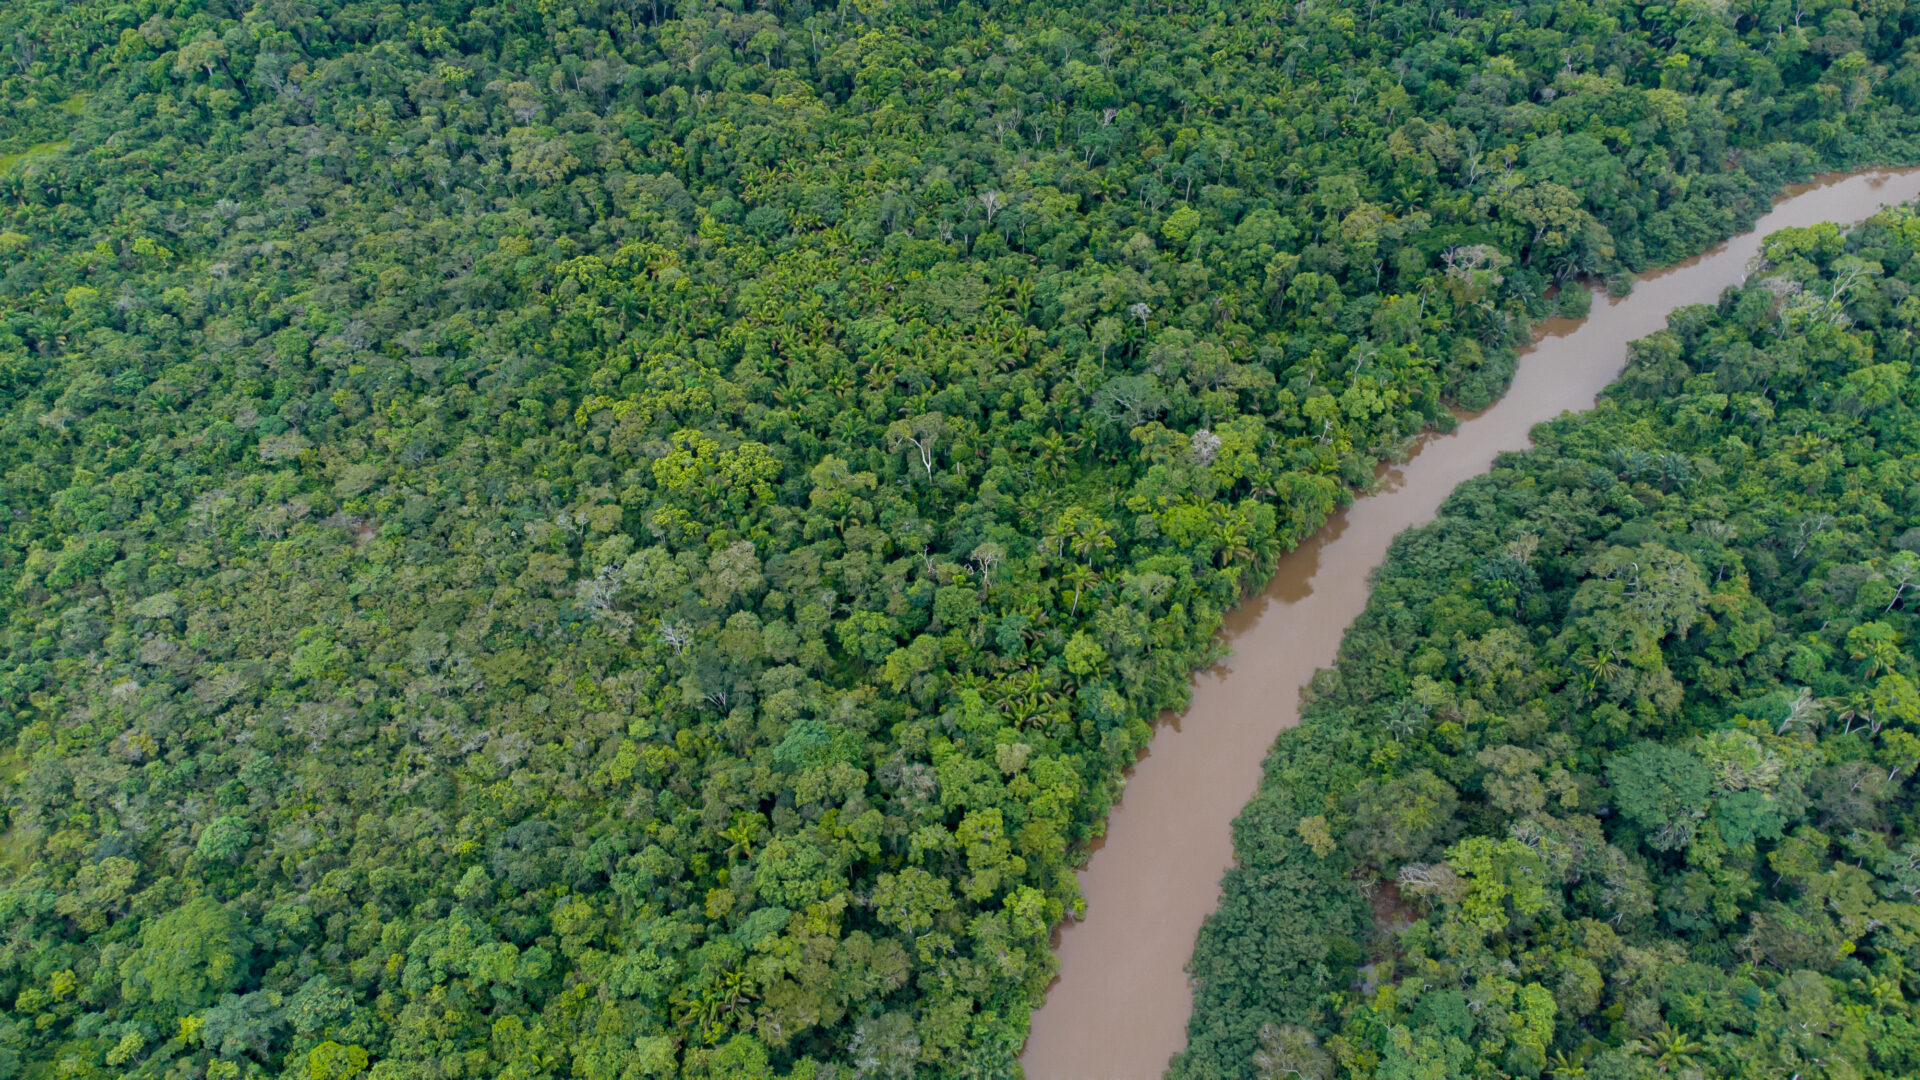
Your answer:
<point x="1119" y="1008"/>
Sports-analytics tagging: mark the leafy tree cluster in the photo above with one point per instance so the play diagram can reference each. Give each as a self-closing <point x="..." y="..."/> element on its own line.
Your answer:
<point x="635" y="538"/>
<point x="1615" y="777"/>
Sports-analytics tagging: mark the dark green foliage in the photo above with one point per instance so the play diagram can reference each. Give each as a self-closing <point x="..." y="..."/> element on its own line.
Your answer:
<point x="1650" y="812"/>
<point x="1662" y="789"/>
<point x="614" y="538"/>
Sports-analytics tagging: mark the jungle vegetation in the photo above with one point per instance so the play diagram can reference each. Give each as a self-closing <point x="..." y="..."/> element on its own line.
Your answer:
<point x="1614" y="778"/>
<point x="635" y="538"/>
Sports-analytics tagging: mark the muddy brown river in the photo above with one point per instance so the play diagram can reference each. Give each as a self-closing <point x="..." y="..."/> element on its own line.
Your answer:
<point x="1119" y="1008"/>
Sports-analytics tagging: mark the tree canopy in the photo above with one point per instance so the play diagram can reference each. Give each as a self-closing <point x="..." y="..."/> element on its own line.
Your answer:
<point x="635" y="538"/>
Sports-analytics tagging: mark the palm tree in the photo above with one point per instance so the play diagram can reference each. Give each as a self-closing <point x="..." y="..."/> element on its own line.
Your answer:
<point x="1268" y="549"/>
<point x="1091" y="535"/>
<point x="976" y="681"/>
<point x="742" y="834"/>
<point x="1081" y="578"/>
<point x="1235" y="544"/>
<point x="1053" y="453"/>
<point x="1565" y="1066"/>
<point x="1028" y="699"/>
<point x="1599" y="667"/>
<point x="1034" y="505"/>
<point x="1672" y="1050"/>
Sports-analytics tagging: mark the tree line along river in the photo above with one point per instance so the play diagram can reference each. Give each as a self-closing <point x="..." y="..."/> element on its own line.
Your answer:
<point x="1119" y="1008"/>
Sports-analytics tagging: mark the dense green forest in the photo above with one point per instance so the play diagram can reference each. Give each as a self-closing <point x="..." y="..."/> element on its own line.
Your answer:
<point x="634" y="538"/>
<point x="1614" y="777"/>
